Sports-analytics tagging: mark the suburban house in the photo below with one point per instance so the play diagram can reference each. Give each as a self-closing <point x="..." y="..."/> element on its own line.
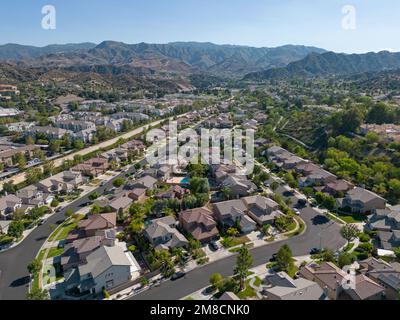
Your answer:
<point x="199" y="223"/>
<point x="262" y="210"/>
<point x="162" y="234"/>
<point x="163" y="172"/>
<point x="240" y="186"/>
<point x="138" y="194"/>
<point x="146" y="182"/>
<point x="92" y="167"/>
<point x="337" y="187"/>
<point x="7" y="154"/>
<point x="229" y="213"/>
<point x="334" y="281"/>
<point x="75" y="252"/>
<point x="105" y="268"/>
<point x="121" y="204"/>
<point x="31" y="195"/>
<point x="51" y="133"/>
<point x="118" y="155"/>
<point x="317" y="177"/>
<point x="175" y="192"/>
<point x="94" y="223"/>
<point x="9" y="204"/>
<point x="134" y="147"/>
<point x="360" y="200"/>
<point x="66" y="181"/>
<point x="282" y="287"/>
<point x="384" y="273"/>
<point x="387" y="223"/>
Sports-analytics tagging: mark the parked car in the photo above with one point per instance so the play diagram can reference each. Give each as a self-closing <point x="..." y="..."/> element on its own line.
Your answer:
<point x="314" y="251"/>
<point x="178" y="275"/>
<point x="297" y="211"/>
<point x="213" y="246"/>
<point x="274" y="256"/>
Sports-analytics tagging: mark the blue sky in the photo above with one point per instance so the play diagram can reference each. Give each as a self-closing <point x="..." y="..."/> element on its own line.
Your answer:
<point x="261" y="23"/>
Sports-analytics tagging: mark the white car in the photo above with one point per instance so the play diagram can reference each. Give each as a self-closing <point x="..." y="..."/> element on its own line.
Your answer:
<point x="297" y="211"/>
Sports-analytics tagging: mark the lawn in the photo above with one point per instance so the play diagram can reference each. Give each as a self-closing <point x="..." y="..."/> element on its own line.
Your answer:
<point x="257" y="282"/>
<point x="54" y="252"/>
<point x="351" y="217"/>
<point x="65" y="229"/>
<point x="248" y="292"/>
<point x="235" y="250"/>
<point x="230" y="242"/>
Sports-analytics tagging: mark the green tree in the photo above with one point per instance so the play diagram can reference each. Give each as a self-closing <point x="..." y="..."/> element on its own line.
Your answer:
<point x="49" y="168"/>
<point x="33" y="175"/>
<point x="54" y="146"/>
<point x="216" y="280"/>
<point x="35" y="266"/>
<point x="345" y="259"/>
<point x="78" y="144"/>
<point x="244" y="261"/>
<point x="284" y="258"/>
<point x="349" y="232"/>
<point x="119" y="182"/>
<point x="15" y="229"/>
<point x="38" y="294"/>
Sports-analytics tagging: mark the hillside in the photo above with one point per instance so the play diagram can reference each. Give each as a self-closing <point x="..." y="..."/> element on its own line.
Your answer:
<point x="331" y="64"/>
<point x="177" y="58"/>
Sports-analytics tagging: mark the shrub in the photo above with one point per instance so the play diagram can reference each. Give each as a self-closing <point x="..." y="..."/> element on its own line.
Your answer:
<point x="364" y="237"/>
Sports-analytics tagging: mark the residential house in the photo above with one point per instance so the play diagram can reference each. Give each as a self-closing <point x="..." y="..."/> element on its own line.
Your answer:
<point x="134" y="147"/>
<point x="200" y="224"/>
<point x="336" y="285"/>
<point x="383" y="273"/>
<point x="92" y="167"/>
<point x="138" y="194"/>
<point x="387" y="223"/>
<point x="32" y="196"/>
<point x="317" y="177"/>
<point x="147" y="182"/>
<point x="162" y="234"/>
<point x="262" y="210"/>
<point x="121" y="204"/>
<point x="282" y="287"/>
<point x="9" y="204"/>
<point x="105" y="269"/>
<point x="337" y="187"/>
<point x="51" y="133"/>
<point x="175" y="192"/>
<point x="229" y="213"/>
<point x="240" y="186"/>
<point x="7" y="155"/>
<point x="66" y="182"/>
<point x="118" y="155"/>
<point x="360" y="200"/>
<point x="94" y="223"/>
<point x="75" y="252"/>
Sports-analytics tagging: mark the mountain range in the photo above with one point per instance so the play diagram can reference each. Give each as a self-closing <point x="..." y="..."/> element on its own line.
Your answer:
<point x="115" y="63"/>
<point x="177" y="57"/>
<point x="331" y="64"/>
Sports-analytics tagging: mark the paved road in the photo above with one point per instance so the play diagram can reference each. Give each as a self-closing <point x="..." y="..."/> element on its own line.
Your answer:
<point x="14" y="277"/>
<point x="320" y="231"/>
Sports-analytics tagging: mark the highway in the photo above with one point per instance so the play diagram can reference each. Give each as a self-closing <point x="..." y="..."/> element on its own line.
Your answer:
<point x="14" y="277"/>
<point x="320" y="231"/>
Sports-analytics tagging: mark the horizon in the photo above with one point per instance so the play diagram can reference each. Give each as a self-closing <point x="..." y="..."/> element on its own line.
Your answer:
<point x="258" y="23"/>
<point x="196" y="42"/>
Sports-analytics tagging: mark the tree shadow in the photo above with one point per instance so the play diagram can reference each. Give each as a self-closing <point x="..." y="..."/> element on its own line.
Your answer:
<point x="320" y="220"/>
<point x="20" y="282"/>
